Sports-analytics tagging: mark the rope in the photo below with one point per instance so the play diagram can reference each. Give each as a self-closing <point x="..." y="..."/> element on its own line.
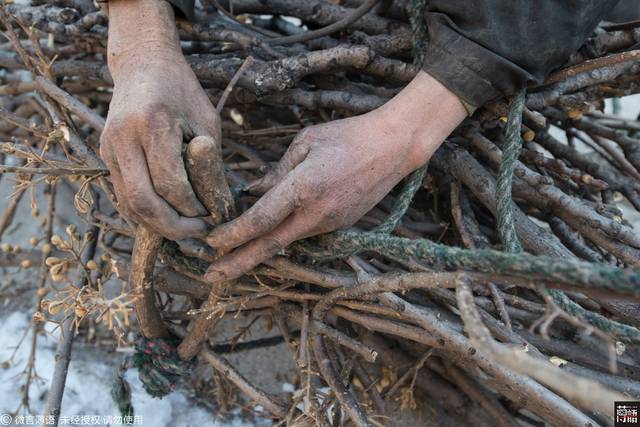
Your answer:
<point x="411" y="186"/>
<point x="403" y="201"/>
<point x="419" y="31"/>
<point x="623" y="332"/>
<point x="569" y="271"/>
<point x="159" y="366"/>
<point x="507" y="230"/>
<point x="510" y="153"/>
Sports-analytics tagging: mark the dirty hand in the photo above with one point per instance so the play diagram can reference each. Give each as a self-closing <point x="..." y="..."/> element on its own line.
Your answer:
<point x="332" y="174"/>
<point x="157" y="104"/>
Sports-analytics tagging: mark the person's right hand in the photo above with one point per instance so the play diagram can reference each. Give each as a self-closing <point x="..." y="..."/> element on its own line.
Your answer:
<point x="157" y="104"/>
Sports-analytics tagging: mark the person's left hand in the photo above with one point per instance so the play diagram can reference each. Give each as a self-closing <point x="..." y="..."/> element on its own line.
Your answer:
<point x="333" y="174"/>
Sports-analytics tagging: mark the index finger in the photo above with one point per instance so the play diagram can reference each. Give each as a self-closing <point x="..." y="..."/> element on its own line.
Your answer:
<point x="269" y="211"/>
<point x="248" y="256"/>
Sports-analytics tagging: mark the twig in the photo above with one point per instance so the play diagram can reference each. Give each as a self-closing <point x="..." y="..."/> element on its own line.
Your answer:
<point x="230" y="374"/>
<point x="340" y="25"/>
<point x="71" y="103"/>
<point x="55" y="171"/>
<point x="227" y="91"/>
<point x="63" y="351"/>
<point x="145" y="249"/>
<point x="489" y="403"/>
<point x="586" y="393"/>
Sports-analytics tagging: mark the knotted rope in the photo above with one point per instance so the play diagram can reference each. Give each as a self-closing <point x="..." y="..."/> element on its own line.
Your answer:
<point x="159" y="366"/>
<point x="159" y="370"/>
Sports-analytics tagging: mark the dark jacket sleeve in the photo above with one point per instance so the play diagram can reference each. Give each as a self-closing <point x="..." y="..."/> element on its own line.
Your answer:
<point x="485" y="49"/>
<point x="184" y="7"/>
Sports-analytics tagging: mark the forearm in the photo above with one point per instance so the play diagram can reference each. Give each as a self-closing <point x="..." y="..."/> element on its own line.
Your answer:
<point x="141" y="28"/>
<point x="427" y="112"/>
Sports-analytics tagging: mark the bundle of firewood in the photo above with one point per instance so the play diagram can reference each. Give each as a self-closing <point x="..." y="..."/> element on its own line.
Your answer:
<point x="425" y="285"/>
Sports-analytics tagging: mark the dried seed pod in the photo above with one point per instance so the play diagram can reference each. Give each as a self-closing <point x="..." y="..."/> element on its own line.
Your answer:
<point x="52" y="260"/>
<point x="57" y="277"/>
<point x="39" y="317"/>
<point x="54" y="307"/>
<point x="57" y="270"/>
<point x="71" y="230"/>
<point x="80" y="311"/>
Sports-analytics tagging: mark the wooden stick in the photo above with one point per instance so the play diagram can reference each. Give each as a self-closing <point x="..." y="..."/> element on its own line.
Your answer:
<point x="65" y="342"/>
<point x="145" y="250"/>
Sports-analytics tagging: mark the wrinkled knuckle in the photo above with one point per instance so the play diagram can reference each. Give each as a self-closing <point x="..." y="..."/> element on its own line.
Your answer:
<point x="274" y="244"/>
<point x="115" y="135"/>
<point x="267" y="221"/>
<point x="154" y="110"/>
<point x="149" y="116"/>
<point x="173" y="234"/>
<point x="139" y="202"/>
<point x="306" y="191"/>
<point x="301" y="198"/>
<point x="108" y="136"/>
<point x="165" y="188"/>
<point x="304" y="137"/>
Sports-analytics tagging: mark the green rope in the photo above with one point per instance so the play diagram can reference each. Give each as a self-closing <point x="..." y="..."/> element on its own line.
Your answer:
<point x="419" y="31"/>
<point x="572" y="272"/>
<point x="403" y="201"/>
<point x="510" y="154"/>
<point x="159" y="366"/>
<point x="411" y="186"/>
<point x="507" y="229"/>
<point x="623" y="332"/>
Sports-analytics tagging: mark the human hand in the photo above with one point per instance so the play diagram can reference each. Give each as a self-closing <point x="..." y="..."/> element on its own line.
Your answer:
<point x="333" y="173"/>
<point x="157" y="103"/>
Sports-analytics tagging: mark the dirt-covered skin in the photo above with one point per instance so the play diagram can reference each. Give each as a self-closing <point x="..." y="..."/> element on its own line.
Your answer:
<point x="333" y="173"/>
<point x="157" y="104"/>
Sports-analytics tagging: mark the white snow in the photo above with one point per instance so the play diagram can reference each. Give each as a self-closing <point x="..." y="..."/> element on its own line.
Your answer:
<point x="88" y="383"/>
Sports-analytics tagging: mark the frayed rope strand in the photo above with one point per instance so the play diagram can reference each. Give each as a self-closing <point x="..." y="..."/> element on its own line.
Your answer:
<point x="159" y="366"/>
